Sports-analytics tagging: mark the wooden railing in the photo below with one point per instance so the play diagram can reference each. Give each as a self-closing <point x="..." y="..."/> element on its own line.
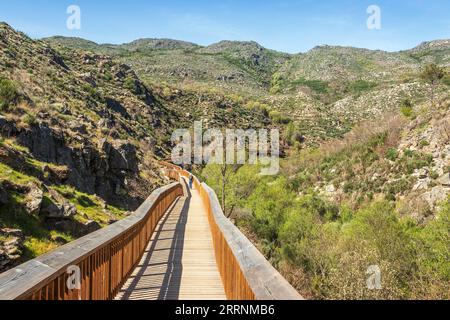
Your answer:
<point x="246" y="274"/>
<point x="103" y="260"/>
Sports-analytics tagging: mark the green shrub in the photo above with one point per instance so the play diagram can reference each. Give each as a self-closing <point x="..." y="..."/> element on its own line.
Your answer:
<point x="279" y="118"/>
<point x="130" y="84"/>
<point x="316" y="85"/>
<point x="399" y="186"/>
<point x="424" y="143"/>
<point x="392" y="154"/>
<point x="446" y="80"/>
<point x="8" y="94"/>
<point x="349" y="186"/>
<point x="413" y="160"/>
<point x="434" y="175"/>
<point x="293" y="135"/>
<point x="360" y="86"/>
<point x="108" y="76"/>
<point x="406" y="108"/>
<point x="407" y="112"/>
<point x="29" y="119"/>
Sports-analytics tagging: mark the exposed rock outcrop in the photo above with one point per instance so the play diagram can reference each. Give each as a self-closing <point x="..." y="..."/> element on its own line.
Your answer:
<point x="73" y="227"/>
<point x="100" y="170"/>
<point x="122" y="157"/>
<point x="11" y="246"/>
<point x="34" y="200"/>
<point x="58" y="208"/>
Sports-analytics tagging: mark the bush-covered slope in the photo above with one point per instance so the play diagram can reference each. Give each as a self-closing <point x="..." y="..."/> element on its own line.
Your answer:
<point x="379" y="197"/>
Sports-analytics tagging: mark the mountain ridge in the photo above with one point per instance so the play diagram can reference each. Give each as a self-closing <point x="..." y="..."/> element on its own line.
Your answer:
<point x="425" y="44"/>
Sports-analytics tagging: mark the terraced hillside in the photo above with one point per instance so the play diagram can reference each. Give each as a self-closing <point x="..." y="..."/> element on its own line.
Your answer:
<point x="325" y="91"/>
<point x="228" y="65"/>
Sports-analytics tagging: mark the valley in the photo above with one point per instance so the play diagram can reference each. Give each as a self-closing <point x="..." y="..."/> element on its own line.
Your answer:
<point x="365" y="177"/>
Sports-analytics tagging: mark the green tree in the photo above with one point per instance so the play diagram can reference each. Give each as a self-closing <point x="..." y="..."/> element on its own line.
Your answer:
<point x="433" y="75"/>
<point x="8" y="93"/>
<point x="220" y="178"/>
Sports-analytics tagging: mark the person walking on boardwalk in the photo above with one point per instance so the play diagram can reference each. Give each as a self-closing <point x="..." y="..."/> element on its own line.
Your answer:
<point x="191" y="181"/>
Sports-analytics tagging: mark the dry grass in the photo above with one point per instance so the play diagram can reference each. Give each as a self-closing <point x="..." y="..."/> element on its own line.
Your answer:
<point x="392" y="124"/>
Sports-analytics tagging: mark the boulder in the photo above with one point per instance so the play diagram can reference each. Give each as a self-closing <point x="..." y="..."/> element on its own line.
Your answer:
<point x="330" y="189"/>
<point x="58" y="208"/>
<point x="73" y="227"/>
<point x="56" y="174"/>
<point x="422" y="173"/>
<point x="116" y="106"/>
<point x="7" y="128"/>
<point x="436" y="195"/>
<point x="122" y="157"/>
<point x="34" y="200"/>
<point x="89" y="79"/>
<point x="422" y="184"/>
<point x="91" y="226"/>
<point x="59" y="211"/>
<point x="445" y="180"/>
<point x="78" y="127"/>
<point x="11" y="248"/>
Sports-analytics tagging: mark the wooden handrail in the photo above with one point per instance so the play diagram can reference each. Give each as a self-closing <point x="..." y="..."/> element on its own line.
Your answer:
<point x="105" y="258"/>
<point x="245" y="272"/>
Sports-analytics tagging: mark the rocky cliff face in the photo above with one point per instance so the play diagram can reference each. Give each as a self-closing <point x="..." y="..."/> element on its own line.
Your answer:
<point x="80" y="136"/>
<point x="101" y="169"/>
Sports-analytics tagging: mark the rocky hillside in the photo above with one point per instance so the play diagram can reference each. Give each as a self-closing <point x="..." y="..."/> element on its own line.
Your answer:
<point x="80" y="138"/>
<point x="398" y="158"/>
<point x="228" y="65"/>
<point x="82" y="125"/>
<point x="325" y="91"/>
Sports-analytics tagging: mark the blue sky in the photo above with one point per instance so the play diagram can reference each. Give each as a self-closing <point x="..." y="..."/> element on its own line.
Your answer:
<point x="286" y="25"/>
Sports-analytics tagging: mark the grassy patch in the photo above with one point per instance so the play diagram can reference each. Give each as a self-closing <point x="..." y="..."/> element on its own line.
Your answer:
<point x="360" y="86"/>
<point x="316" y="85"/>
<point x="88" y="206"/>
<point x="7" y="173"/>
<point x="13" y="144"/>
<point x="35" y="247"/>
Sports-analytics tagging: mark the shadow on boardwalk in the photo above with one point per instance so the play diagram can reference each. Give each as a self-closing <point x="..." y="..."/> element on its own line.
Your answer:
<point x="159" y="274"/>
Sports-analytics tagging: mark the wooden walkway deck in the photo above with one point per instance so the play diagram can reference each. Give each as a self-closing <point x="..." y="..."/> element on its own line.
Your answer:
<point x="179" y="262"/>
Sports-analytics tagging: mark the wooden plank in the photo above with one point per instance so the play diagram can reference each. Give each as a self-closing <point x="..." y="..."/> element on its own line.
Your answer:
<point x="179" y="262"/>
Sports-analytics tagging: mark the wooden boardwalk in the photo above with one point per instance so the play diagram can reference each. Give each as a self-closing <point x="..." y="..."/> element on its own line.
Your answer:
<point x="179" y="262"/>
